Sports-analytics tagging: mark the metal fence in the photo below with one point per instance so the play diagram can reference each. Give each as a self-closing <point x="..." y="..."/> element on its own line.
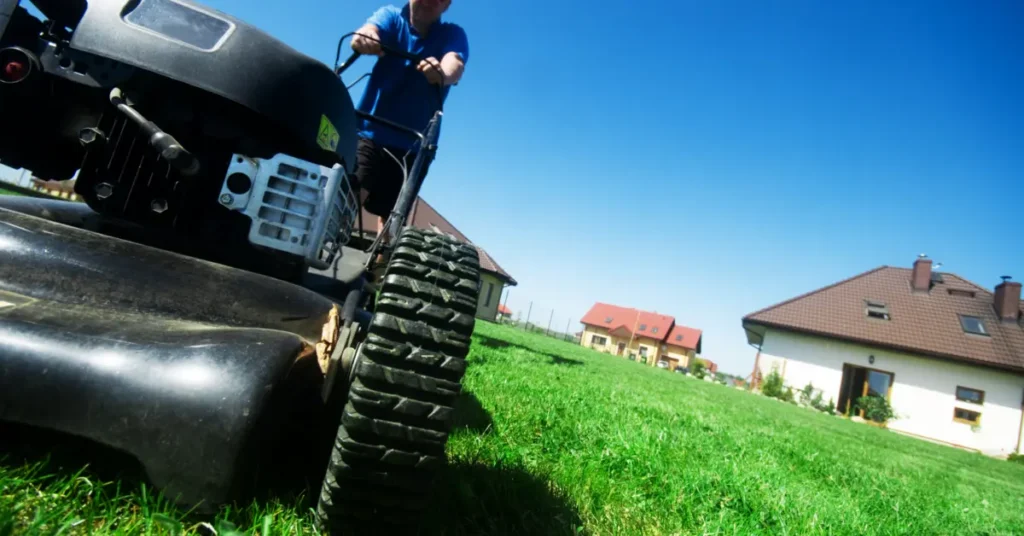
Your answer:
<point x="546" y="321"/>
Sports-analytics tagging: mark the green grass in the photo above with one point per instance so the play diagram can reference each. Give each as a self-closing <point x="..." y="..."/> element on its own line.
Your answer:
<point x="556" y="439"/>
<point x="8" y="192"/>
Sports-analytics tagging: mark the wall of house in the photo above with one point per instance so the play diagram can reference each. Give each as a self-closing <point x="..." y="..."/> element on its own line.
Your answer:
<point x="490" y="296"/>
<point x="682" y="355"/>
<point x="587" y="339"/>
<point x="612" y="344"/>
<point x="923" y="392"/>
<point x="652" y="347"/>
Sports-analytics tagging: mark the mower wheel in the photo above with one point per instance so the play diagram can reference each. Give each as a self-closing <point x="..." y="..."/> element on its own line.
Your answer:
<point x="403" y="388"/>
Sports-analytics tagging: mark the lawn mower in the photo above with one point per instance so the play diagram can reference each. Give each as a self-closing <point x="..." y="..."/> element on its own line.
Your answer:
<point x="213" y="308"/>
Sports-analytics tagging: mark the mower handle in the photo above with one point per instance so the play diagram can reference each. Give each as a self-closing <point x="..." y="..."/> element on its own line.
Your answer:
<point x="386" y="49"/>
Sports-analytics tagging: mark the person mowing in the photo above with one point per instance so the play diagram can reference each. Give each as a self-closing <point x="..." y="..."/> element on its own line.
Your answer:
<point x="404" y="95"/>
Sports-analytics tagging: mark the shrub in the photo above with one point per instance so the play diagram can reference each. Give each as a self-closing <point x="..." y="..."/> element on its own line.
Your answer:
<point x="698" y="368"/>
<point x="817" y="402"/>
<point x="787" y="395"/>
<point x="875" y="408"/>
<point x="772" y="385"/>
<point x="1016" y="458"/>
<point x="805" y="394"/>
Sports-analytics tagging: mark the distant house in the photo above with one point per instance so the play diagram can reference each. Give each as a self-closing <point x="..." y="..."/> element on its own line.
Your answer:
<point x="711" y="365"/>
<point x="946" y="353"/>
<point x="641" y="336"/>
<point x="504" y="313"/>
<point x="493" y="279"/>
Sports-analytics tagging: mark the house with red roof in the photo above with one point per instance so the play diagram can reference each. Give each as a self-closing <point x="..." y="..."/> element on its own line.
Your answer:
<point x="504" y="312"/>
<point x="650" y="338"/>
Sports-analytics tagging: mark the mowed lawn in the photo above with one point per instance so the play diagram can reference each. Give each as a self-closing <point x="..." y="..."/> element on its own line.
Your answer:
<point x="557" y="439"/>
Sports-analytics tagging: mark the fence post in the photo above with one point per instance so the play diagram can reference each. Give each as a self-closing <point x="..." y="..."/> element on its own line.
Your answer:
<point x="550" y="318"/>
<point x="567" y="322"/>
<point x="526" y="326"/>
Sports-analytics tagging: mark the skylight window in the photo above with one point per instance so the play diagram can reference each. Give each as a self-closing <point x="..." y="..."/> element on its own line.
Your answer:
<point x="643" y="327"/>
<point x="654" y="329"/>
<point x="877" y="310"/>
<point x="961" y="292"/>
<point x="608" y="320"/>
<point x="679" y="338"/>
<point x="973" y="324"/>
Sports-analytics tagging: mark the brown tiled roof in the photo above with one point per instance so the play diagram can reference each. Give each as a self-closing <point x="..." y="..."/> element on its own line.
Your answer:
<point x="920" y="323"/>
<point x="424" y="216"/>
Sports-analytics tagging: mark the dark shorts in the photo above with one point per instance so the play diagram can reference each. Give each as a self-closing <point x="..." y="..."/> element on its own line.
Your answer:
<point x="380" y="175"/>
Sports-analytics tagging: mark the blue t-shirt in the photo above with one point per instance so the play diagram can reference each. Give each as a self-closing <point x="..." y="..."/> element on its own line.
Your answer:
<point x="396" y="90"/>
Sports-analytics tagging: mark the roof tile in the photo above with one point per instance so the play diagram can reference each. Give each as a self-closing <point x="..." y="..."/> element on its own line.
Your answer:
<point x="425" y="216"/>
<point x="641" y="324"/>
<point x="926" y="323"/>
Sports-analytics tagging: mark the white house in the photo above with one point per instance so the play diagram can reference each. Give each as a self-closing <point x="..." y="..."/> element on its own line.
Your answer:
<point x="946" y="353"/>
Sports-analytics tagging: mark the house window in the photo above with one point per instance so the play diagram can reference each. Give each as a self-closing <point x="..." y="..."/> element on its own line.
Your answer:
<point x="490" y="291"/>
<point x="966" y="394"/>
<point x="966" y="416"/>
<point x="654" y="329"/>
<point x="598" y="340"/>
<point x="643" y="351"/>
<point x="959" y="292"/>
<point x="643" y="327"/>
<point x="973" y="324"/>
<point x="679" y="338"/>
<point x="877" y="310"/>
<point x="608" y="320"/>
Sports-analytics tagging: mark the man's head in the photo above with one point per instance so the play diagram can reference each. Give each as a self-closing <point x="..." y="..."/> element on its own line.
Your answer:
<point x="429" y="10"/>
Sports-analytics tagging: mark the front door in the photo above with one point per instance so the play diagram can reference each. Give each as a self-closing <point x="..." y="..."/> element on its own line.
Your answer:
<point x="862" y="381"/>
<point x="621" y="348"/>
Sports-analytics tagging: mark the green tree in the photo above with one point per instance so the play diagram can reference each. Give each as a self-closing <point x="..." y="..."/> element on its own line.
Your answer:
<point x="772" y="385"/>
<point x="699" y="368"/>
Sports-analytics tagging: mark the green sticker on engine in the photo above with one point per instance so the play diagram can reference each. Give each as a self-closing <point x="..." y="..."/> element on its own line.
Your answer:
<point x="328" y="137"/>
<point x="10" y="301"/>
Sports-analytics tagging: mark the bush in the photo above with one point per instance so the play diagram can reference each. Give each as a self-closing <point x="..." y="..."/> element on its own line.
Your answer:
<point x="787" y="395"/>
<point x="772" y="385"/>
<point x="875" y="408"/>
<point x="698" y="368"/>
<point x="805" y="394"/>
<point x="817" y="402"/>
<point x="1016" y="458"/>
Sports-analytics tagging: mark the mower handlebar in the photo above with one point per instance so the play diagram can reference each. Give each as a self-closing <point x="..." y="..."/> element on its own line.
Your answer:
<point x="387" y="50"/>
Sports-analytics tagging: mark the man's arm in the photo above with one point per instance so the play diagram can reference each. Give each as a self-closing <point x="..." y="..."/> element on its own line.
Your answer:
<point x="379" y="27"/>
<point x="453" y="67"/>
<point x="367" y="40"/>
<point x="453" y="63"/>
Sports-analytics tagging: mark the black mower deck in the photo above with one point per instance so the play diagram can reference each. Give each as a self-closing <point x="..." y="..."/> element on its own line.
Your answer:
<point x="137" y="348"/>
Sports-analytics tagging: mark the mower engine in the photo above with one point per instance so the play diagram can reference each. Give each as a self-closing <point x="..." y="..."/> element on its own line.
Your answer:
<point x="181" y="120"/>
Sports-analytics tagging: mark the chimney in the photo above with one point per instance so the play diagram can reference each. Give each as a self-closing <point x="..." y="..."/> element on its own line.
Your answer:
<point x="1007" y="300"/>
<point x="921" y="279"/>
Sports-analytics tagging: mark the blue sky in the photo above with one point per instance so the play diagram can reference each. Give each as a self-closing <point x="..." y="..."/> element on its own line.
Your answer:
<point x="707" y="159"/>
